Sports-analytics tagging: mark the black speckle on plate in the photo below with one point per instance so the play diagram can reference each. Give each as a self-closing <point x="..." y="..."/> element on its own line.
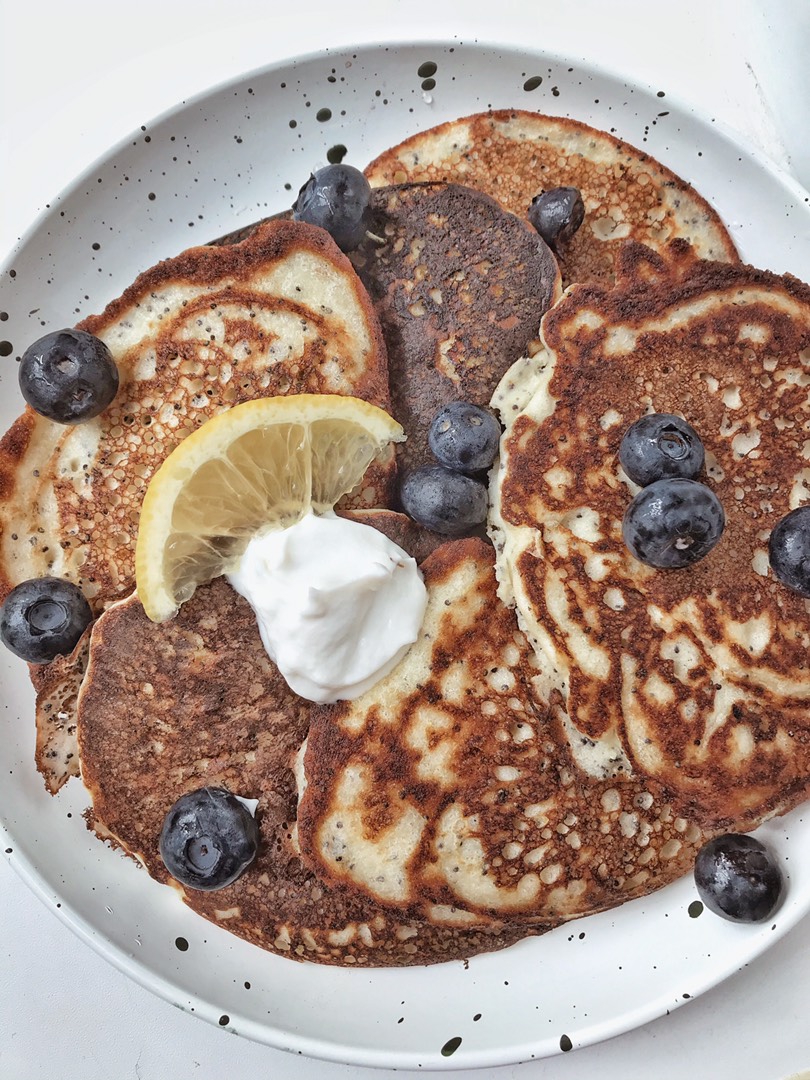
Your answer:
<point x="451" y="1046"/>
<point x="533" y="82"/>
<point x="695" y="909"/>
<point x="427" y="69"/>
<point x="565" y="1044"/>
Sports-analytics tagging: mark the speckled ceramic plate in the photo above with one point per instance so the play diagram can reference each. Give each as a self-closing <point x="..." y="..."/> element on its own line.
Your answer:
<point x="208" y="167"/>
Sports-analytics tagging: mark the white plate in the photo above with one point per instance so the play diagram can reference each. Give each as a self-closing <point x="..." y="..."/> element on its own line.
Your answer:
<point x="210" y="166"/>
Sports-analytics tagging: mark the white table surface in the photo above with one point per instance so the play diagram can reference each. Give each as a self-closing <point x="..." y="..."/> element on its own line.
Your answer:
<point x="78" y="77"/>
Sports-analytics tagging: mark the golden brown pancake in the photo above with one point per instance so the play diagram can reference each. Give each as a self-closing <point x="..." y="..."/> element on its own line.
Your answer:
<point x="459" y="286"/>
<point x="697" y="677"/>
<point x="282" y="312"/>
<point x="57" y="687"/>
<point x="196" y="701"/>
<point x="446" y="787"/>
<point x="57" y="684"/>
<point x="514" y="155"/>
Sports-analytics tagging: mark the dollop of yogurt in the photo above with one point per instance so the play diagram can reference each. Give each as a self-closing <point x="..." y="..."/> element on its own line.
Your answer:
<point x="337" y="603"/>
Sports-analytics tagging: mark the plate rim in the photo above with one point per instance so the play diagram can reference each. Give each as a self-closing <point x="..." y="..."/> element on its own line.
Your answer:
<point x="734" y="138"/>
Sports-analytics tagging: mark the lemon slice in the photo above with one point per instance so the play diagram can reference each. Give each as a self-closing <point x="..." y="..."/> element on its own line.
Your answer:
<point x="261" y="465"/>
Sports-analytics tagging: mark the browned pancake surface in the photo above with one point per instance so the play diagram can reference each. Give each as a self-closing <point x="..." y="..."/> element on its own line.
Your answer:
<point x="701" y="673"/>
<point x="459" y="286"/>
<point x="196" y="701"/>
<point x="447" y="786"/>
<point x="513" y="155"/>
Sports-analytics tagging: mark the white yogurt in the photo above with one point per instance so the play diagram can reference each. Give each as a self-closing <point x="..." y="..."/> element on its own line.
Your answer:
<point x="336" y="601"/>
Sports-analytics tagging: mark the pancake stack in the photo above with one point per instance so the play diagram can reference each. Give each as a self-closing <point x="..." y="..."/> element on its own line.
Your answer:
<point x="571" y="726"/>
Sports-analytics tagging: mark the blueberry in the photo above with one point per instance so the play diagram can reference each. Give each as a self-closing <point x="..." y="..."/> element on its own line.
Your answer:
<point x="658" y="446"/>
<point x="443" y="500"/>
<point x="68" y="376"/>
<point x="464" y="437"/>
<point x="43" y="618"/>
<point x="738" y="877"/>
<point x="789" y="550"/>
<point x="557" y="214"/>
<point x="673" y="523"/>
<point x="208" y="839"/>
<point x="338" y="199"/>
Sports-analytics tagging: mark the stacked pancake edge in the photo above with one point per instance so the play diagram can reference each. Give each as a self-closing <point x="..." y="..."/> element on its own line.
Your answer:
<point x="570" y="726"/>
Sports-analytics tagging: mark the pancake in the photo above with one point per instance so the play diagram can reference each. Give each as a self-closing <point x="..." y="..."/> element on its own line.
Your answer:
<point x="57" y="688"/>
<point x="459" y="287"/>
<point x="57" y="684"/>
<point x="196" y="701"/>
<point x="446" y="786"/>
<point x="418" y="541"/>
<point x="514" y="155"/>
<point x="282" y="312"/>
<point x="698" y="678"/>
